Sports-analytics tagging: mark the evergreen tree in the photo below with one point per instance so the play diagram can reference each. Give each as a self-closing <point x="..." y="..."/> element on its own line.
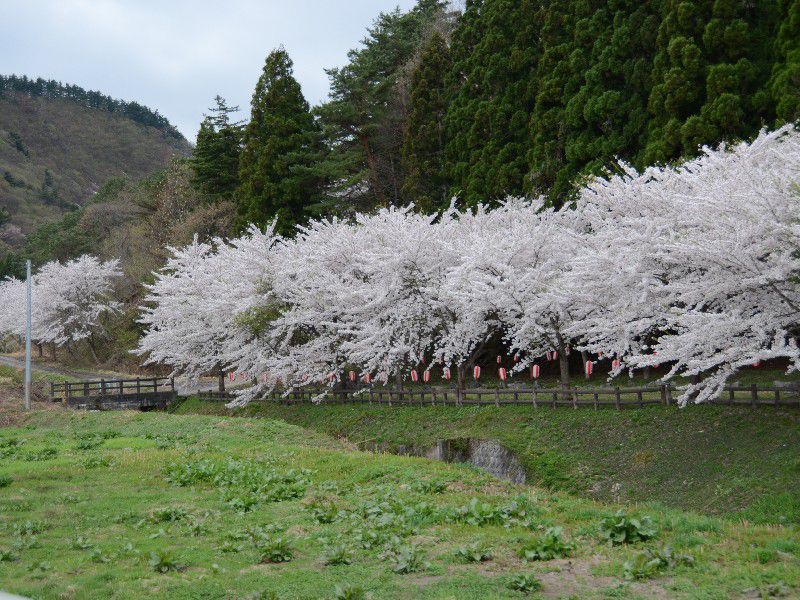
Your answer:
<point x="784" y="84"/>
<point x="607" y="117"/>
<point x="556" y="79"/>
<point x="679" y="76"/>
<point x="423" y="144"/>
<point x="495" y="51"/>
<point x="364" y="117"/>
<point x="280" y="143"/>
<point x="216" y="156"/>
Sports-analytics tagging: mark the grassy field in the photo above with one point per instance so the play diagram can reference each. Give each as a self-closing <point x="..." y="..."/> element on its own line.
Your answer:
<point x="132" y="505"/>
<point x="715" y="460"/>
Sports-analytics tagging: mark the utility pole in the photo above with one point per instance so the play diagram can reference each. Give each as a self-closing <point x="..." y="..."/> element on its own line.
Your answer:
<point x="28" y="304"/>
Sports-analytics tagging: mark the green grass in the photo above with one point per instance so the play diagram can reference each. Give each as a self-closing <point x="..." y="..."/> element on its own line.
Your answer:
<point x="713" y="459"/>
<point x="132" y="505"/>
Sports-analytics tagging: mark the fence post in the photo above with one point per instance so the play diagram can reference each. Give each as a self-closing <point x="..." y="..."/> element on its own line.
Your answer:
<point x="533" y="398"/>
<point x="138" y="389"/>
<point x="555" y="397"/>
<point x="639" y="397"/>
<point x="616" y="397"/>
<point x="777" y="397"/>
<point x="497" y="397"/>
<point x="731" y="399"/>
<point x="595" y="400"/>
<point x="754" y="395"/>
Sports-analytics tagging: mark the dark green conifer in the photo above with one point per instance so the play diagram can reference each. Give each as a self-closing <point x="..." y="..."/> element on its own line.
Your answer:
<point x="280" y="143"/>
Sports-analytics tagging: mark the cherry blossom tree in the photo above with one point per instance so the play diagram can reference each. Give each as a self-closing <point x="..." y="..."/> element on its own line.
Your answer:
<point x="68" y="301"/>
<point x="696" y="265"/>
<point x="196" y="310"/>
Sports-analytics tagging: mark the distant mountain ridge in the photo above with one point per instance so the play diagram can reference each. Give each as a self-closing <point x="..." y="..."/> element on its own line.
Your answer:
<point x="60" y="143"/>
<point x="48" y="88"/>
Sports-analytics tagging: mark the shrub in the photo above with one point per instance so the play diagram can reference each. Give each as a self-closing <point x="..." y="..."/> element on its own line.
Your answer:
<point x="408" y="558"/>
<point x="7" y="555"/>
<point x="163" y="561"/>
<point x="621" y="529"/>
<point x="88" y="444"/>
<point x="323" y="512"/>
<point x="483" y="513"/>
<point x="350" y="592"/>
<point x="652" y="561"/>
<point x="473" y="553"/>
<point x="525" y="583"/>
<point x="429" y="487"/>
<point x="339" y="554"/>
<point x="41" y="455"/>
<point x="80" y="543"/>
<point x="275" y="549"/>
<point x="548" y="546"/>
<point x="169" y="514"/>
<point x="95" y="461"/>
<point x="5" y="481"/>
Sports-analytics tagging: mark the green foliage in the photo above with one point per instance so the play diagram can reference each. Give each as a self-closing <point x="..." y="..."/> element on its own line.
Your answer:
<point x="7" y="555"/>
<point x="5" y="481"/>
<point x="474" y="552"/>
<point x="429" y="487"/>
<point x="279" y="144"/>
<point x="408" y="558"/>
<point x="351" y="592"/>
<point x="652" y="562"/>
<point x="621" y="529"/>
<point x="482" y="513"/>
<point x="425" y="182"/>
<point x="525" y="583"/>
<point x="363" y="118"/>
<point x="550" y="545"/>
<point x="215" y="159"/>
<point x="323" y="512"/>
<point x="275" y="549"/>
<point x="164" y="561"/>
<point x="338" y="554"/>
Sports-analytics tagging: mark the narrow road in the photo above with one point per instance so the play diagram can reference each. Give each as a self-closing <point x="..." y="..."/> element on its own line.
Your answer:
<point x="18" y="363"/>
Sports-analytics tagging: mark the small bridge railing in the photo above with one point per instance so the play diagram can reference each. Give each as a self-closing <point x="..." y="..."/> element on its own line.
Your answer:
<point x="113" y="389"/>
<point x="536" y="397"/>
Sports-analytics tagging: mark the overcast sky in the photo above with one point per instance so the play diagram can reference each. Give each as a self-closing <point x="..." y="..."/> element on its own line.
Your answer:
<point x="176" y="55"/>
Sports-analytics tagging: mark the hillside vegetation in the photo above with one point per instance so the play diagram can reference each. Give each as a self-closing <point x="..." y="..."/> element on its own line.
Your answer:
<point x="56" y="153"/>
<point x="128" y="505"/>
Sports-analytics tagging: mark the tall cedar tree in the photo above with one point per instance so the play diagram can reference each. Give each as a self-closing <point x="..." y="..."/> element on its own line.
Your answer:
<point x="607" y="116"/>
<point x="364" y="116"/>
<point x="280" y="144"/>
<point x="423" y="144"/>
<point x="496" y="49"/>
<point x="215" y="159"/>
<point x="784" y="84"/>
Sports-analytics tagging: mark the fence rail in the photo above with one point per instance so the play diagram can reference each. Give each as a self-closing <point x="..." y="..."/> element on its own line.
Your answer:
<point x="594" y="397"/>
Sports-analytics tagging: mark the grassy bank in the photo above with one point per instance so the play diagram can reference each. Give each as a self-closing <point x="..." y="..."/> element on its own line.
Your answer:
<point x="716" y="460"/>
<point x="127" y="505"/>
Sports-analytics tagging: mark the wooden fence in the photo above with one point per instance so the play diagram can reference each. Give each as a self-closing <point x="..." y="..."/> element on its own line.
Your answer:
<point x="536" y="397"/>
<point x="141" y="393"/>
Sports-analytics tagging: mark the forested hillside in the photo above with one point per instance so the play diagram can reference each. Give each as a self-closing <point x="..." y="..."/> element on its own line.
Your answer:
<point x="59" y="144"/>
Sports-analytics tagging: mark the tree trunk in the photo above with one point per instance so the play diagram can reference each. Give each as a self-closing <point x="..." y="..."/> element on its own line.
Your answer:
<point x="53" y="351"/>
<point x="461" y="381"/>
<point x="221" y="382"/>
<point x="41" y="350"/>
<point x="92" y="349"/>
